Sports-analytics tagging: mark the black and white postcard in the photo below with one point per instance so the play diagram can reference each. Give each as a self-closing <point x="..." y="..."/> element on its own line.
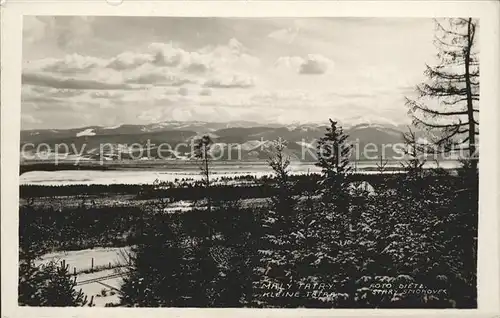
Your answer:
<point x="317" y="157"/>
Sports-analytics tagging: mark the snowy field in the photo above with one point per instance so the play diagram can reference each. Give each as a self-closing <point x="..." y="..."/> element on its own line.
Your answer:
<point x="82" y="259"/>
<point x="102" y="283"/>
<point x="104" y="290"/>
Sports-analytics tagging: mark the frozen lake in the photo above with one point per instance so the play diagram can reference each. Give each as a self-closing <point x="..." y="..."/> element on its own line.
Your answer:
<point x="148" y="176"/>
<point x="72" y="177"/>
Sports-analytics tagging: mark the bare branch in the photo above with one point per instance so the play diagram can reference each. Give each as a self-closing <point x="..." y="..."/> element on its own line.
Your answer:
<point x="421" y="122"/>
<point x="440" y="26"/>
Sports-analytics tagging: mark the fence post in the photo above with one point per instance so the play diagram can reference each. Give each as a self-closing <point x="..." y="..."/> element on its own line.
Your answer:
<point x="92" y="264"/>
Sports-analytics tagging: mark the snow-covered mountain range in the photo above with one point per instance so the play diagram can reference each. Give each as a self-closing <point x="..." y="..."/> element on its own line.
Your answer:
<point x="251" y="139"/>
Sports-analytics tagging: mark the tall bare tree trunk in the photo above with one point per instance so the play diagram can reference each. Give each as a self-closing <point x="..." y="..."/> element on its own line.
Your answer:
<point x="470" y="105"/>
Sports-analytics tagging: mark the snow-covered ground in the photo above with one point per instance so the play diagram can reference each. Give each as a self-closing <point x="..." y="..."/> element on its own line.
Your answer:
<point x="102" y="284"/>
<point x="104" y="290"/>
<point x="82" y="259"/>
<point x="86" y="132"/>
<point x="180" y="206"/>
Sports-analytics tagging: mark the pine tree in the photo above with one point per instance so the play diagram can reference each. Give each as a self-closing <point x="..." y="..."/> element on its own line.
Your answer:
<point x="381" y="165"/>
<point x="335" y="252"/>
<point x="333" y="153"/>
<point x="283" y="201"/>
<point x="414" y="164"/>
<point x="415" y="153"/>
<point x="169" y="268"/>
<point x="454" y="85"/>
<point x="205" y="274"/>
<point x="158" y="276"/>
<point x="282" y="236"/>
<point x="202" y="152"/>
<point x="48" y="285"/>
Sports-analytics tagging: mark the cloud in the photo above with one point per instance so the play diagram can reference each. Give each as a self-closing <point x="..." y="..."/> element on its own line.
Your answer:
<point x="162" y="81"/>
<point x="159" y="77"/>
<point x="69" y="83"/>
<point x="205" y="92"/>
<point x="105" y="95"/>
<point x="184" y="110"/>
<point x="30" y="90"/>
<point x="289" y="62"/>
<point x="129" y="60"/>
<point x="41" y="100"/>
<point x="167" y="109"/>
<point x="234" y="81"/>
<point x="367" y="78"/>
<point x="29" y="119"/>
<point x="166" y="54"/>
<point x="161" y="64"/>
<point x="183" y="91"/>
<point x="287" y="35"/>
<point x="313" y="64"/>
<point x="72" y="64"/>
<point x="196" y="68"/>
<point x="269" y="97"/>
<point x="167" y="59"/>
<point x="47" y="101"/>
<point x="149" y="78"/>
<point x="209" y="59"/>
<point x="65" y="93"/>
<point x="62" y="31"/>
<point x="34" y="29"/>
<point x="153" y="96"/>
<point x="235" y="45"/>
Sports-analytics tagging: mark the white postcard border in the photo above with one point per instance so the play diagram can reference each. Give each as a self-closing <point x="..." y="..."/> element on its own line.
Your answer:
<point x="11" y="61"/>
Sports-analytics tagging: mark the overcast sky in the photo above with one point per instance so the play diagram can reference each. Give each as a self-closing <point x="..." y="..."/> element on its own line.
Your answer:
<point x="80" y="71"/>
